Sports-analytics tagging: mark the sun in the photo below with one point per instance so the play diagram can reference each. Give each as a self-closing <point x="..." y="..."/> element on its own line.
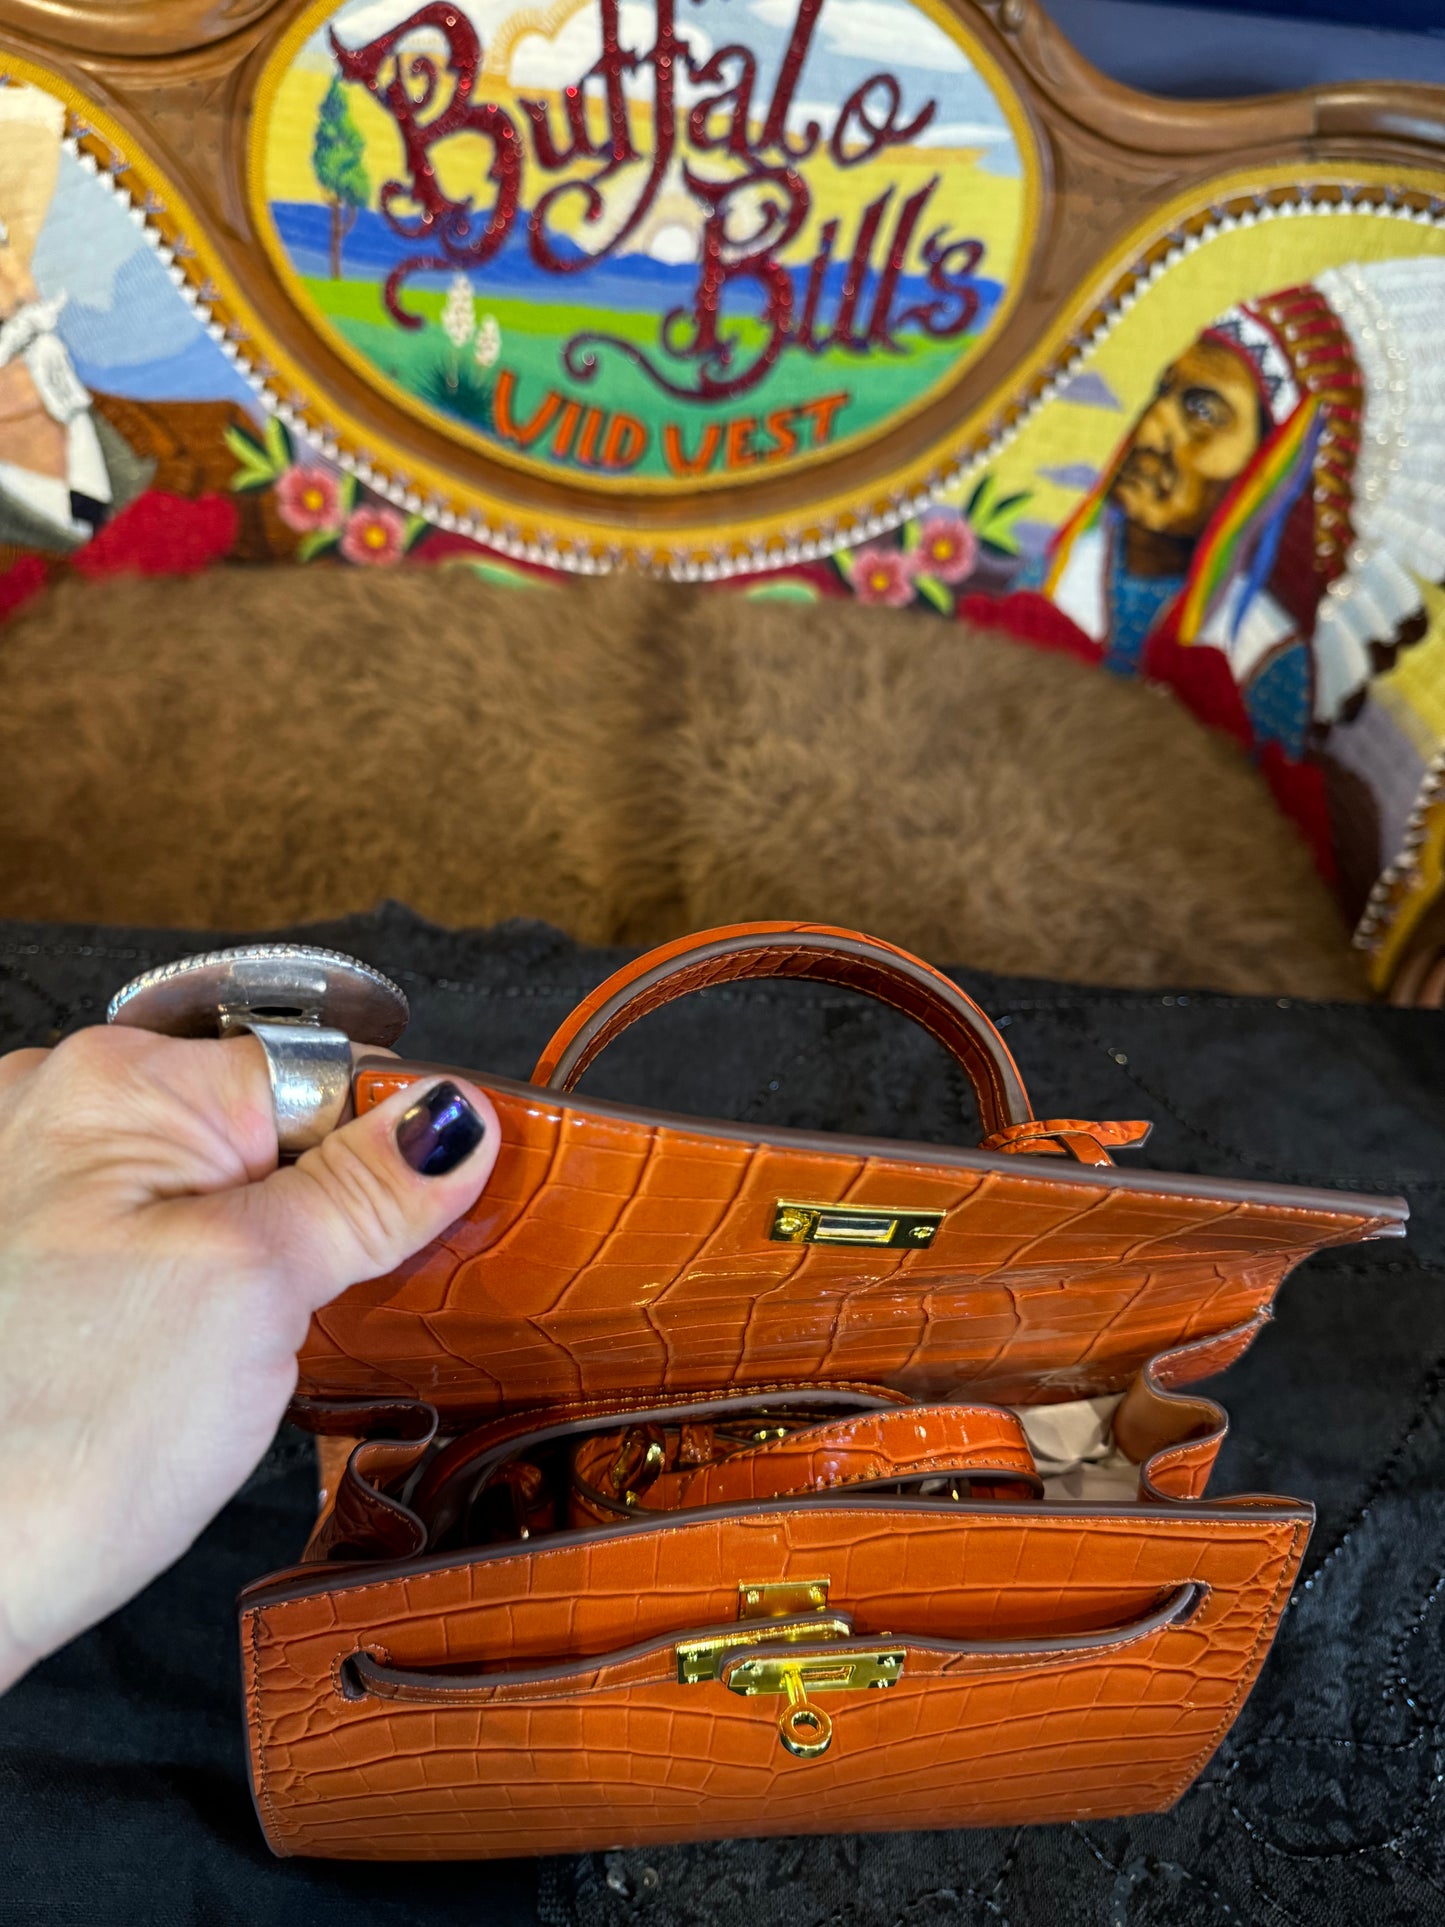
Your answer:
<point x="672" y="230"/>
<point x="546" y="21"/>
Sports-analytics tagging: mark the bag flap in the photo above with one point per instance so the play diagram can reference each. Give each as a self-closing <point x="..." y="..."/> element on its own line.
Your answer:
<point x="619" y="1250"/>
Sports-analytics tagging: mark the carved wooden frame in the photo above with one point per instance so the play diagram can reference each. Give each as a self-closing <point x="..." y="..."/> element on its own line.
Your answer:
<point x="159" y="97"/>
<point x="1127" y="182"/>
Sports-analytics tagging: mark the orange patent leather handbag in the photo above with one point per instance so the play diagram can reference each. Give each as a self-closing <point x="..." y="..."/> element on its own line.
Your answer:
<point x="706" y="1482"/>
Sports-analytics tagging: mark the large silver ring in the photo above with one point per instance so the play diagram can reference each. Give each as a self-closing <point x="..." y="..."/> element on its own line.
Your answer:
<point x="305" y="1006"/>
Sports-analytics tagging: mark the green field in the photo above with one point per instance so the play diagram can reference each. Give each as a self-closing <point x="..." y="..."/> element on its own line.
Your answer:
<point x="424" y="364"/>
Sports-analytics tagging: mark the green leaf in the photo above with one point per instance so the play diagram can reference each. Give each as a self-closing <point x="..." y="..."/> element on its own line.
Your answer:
<point x="910" y="533"/>
<point x="316" y="543"/>
<point x="1014" y="501"/>
<point x="974" y="505"/>
<point x="932" y="590"/>
<point x="242" y="445"/>
<point x="256" y="466"/>
<point x="346" y="494"/>
<point x="995" y="547"/>
<point x="278" y="443"/>
<point x="786" y="591"/>
<point x="843" y="559"/>
<point x="416" y="528"/>
<point x="505" y="577"/>
<point x="248" y="481"/>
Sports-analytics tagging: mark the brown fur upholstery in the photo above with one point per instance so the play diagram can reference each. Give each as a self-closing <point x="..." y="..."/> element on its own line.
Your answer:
<point x="630" y="761"/>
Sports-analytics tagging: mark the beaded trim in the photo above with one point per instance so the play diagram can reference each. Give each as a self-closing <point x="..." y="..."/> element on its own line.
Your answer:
<point x="1397" y="880"/>
<point x="722" y="561"/>
<point x="249" y="953"/>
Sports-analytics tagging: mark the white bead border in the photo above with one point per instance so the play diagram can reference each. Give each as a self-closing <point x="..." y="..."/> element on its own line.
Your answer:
<point x="577" y="556"/>
<point x="1395" y="880"/>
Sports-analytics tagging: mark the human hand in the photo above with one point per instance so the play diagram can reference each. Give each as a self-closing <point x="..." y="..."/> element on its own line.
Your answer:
<point x="157" y="1275"/>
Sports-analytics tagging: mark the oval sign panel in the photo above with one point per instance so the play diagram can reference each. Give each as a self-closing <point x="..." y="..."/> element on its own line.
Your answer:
<point x="643" y="248"/>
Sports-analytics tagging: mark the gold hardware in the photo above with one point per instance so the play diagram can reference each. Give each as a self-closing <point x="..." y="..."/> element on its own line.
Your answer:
<point x="804" y="1729"/>
<point x="763" y="1607"/>
<point x="845" y="1671"/>
<point x="853" y="1224"/>
<point x="632" y="1476"/>
<point x="792" y="1224"/>
<point x="781" y="1598"/>
<point x="700" y="1659"/>
<point x="785" y="1613"/>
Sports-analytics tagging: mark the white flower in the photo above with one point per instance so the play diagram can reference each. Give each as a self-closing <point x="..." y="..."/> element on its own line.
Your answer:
<point x="489" y="342"/>
<point x="459" y="316"/>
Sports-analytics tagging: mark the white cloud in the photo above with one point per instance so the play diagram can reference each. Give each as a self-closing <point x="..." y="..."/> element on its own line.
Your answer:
<point x="560" y="61"/>
<point x="366" y="20"/>
<point x="875" y="30"/>
<point x="825" y="112"/>
<point x="576" y="46"/>
<point x="949" y="133"/>
<point x="355" y="26"/>
<point x="962" y="133"/>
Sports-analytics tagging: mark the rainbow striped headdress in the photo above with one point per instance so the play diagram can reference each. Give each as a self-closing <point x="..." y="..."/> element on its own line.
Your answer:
<point x="1285" y="522"/>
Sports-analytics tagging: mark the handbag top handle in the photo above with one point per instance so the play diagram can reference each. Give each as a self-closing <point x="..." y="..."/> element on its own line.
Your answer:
<point x="816" y="952"/>
<point x="822" y="953"/>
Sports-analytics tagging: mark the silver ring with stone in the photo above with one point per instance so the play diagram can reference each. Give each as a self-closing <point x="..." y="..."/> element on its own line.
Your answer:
<point x="304" y="1005"/>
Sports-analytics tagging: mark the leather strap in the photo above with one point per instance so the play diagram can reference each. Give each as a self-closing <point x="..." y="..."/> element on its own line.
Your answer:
<point x="817" y="953"/>
<point x="1083" y="1138"/>
<point x="464" y="1467"/>
<point x="976" y="1444"/>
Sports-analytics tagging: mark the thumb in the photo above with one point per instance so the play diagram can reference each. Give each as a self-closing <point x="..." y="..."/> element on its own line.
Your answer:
<point x="374" y="1192"/>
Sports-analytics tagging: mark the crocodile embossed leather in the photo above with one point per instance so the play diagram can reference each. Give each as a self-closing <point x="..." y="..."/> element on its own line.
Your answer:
<point x="705" y="1481"/>
<point x="617" y="1251"/>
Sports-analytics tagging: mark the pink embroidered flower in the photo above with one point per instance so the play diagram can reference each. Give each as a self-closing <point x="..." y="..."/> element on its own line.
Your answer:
<point x="947" y="548"/>
<point x="882" y="575"/>
<point x="307" y="499"/>
<point x="374" y="535"/>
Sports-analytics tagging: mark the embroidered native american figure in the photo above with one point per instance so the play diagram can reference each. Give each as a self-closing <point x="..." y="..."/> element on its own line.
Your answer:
<point x="1279" y="503"/>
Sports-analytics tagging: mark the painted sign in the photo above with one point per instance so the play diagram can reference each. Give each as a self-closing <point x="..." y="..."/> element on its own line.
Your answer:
<point x="1230" y="482"/>
<point x="641" y="248"/>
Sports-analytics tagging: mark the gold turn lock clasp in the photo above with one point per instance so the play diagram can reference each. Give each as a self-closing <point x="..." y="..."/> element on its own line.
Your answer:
<point x="804" y="1728"/>
<point x="853" y="1224"/>
<point x="781" y="1615"/>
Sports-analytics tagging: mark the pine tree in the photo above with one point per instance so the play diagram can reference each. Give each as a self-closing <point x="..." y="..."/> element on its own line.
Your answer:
<point x="337" y="160"/>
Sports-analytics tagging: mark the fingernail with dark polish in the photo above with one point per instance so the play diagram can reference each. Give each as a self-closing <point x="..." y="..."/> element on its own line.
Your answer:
<point x="439" y="1131"/>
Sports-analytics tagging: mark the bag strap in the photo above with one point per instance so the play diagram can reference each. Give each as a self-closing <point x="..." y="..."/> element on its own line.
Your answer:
<point x="822" y="953"/>
<point x="464" y="1467"/>
<point x="982" y="1446"/>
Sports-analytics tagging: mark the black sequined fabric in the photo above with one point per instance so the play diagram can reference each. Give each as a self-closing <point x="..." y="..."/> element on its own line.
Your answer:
<point x="122" y="1783"/>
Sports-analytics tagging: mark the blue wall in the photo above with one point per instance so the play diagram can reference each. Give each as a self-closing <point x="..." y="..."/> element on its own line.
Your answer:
<point x="1212" y="49"/>
<point x="1406" y="16"/>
